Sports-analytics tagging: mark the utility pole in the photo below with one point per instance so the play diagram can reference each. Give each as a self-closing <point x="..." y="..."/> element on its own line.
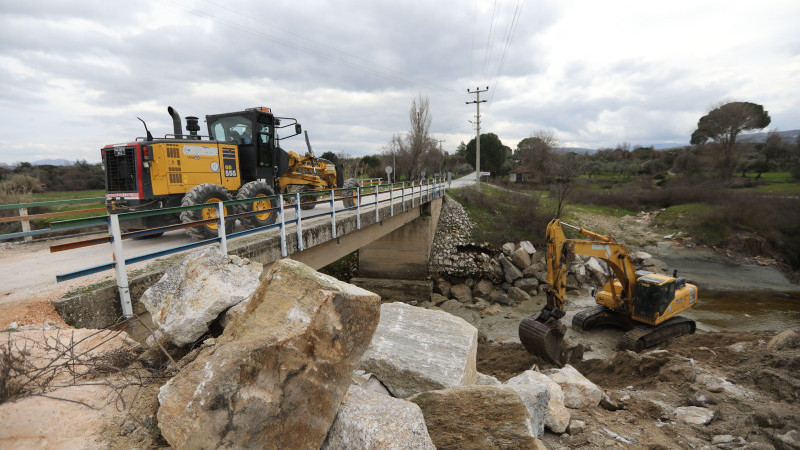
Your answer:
<point x="478" y="102"/>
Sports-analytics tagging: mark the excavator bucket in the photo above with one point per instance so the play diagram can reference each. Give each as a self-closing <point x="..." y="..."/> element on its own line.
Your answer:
<point x="544" y="338"/>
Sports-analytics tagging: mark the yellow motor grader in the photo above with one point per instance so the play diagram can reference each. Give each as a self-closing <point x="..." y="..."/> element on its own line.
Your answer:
<point x="240" y="158"/>
<point x="645" y="304"/>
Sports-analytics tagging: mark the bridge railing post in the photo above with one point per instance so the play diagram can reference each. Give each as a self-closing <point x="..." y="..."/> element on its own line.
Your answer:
<point x="26" y="224"/>
<point x="223" y="241"/>
<point x="358" y="207"/>
<point x="282" y="217"/>
<point x="391" y="200"/>
<point x="412" y="194"/>
<point x="119" y="266"/>
<point x="420" y="192"/>
<point x="299" y="224"/>
<point x="377" y="191"/>
<point x="403" y="196"/>
<point x="333" y="218"/>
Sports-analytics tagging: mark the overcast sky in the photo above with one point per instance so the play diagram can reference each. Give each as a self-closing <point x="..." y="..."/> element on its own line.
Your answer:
<point x="75" y="75"/>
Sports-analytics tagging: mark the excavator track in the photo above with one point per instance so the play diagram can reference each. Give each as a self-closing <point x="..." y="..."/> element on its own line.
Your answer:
<point x="545" y="339"/>
<point x="643" y="337"/>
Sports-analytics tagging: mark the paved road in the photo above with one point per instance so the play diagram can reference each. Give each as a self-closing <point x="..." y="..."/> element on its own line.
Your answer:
<point x="29" y="270"/>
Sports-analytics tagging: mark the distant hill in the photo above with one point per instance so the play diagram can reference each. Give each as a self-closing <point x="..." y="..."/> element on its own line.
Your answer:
<point x="788" y="136"/>
<point x="577" y="149"/>
<point x="52" y="162"/>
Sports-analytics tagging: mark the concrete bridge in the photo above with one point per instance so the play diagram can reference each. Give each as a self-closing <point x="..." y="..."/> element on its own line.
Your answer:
<point x="394" y="243"/>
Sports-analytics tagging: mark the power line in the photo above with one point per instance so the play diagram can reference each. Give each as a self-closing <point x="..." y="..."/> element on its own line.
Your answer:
<point x="509" y="37"/>
<point x="489" y="42"/>
<point x="472" y="48"/>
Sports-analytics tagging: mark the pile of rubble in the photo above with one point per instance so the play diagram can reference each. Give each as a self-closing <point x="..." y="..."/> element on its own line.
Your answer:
<point x="453" y="230"/>
<point x="305" y="360"/>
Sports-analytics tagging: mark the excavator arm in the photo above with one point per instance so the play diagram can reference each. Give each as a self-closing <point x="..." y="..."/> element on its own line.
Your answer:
<point x="543" y="333"/>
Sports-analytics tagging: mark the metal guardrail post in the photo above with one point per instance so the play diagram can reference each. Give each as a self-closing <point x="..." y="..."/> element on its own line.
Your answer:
<point x="299" y="223"/>
<point x="412" y="194"/>
<point x="283" y="226"/>
<point x="119" y="267"/>
<point x="420" y="192"/>
<point x="223" y="241"/>
<point x="26" y="224"/>
<point x="403" y="196"/>
<point x="358" y="207"/>
<point x="391" y="200"/>
<point x="333" y="218"/>
<point x="377" y="190"/>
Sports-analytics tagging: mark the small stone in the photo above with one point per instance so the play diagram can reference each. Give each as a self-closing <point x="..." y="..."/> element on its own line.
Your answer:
<point x="576" y="427"/>
<point x="451" y="305"/>
<point x="739" y="347"/>
<point x="722" y="439"/>
<point x="608" y="403"/>
<point x="791" y="439"/>
<point x="518" y="295"/>
<point x="528" y="247"/>
<point x="127" y="428"/>
<point x="508" y="248"/>
<point x="786" y="339"/>
<point x="486" y="380"/>
<point x="491" y="310"/>
<point x="438" y="299"/>
<point x="695" y="415"/>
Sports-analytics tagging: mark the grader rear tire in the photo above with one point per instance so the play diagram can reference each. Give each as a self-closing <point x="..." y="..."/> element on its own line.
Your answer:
<point x="256" y="189"/>
<point x="352" y="184"/>
<point x="201" y="194"/>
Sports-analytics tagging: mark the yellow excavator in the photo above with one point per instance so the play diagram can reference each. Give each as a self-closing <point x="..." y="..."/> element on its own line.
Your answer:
<point x="645" y="304"/>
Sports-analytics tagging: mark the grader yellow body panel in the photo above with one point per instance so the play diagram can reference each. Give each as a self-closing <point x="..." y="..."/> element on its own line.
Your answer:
<point x="179" y="166"/>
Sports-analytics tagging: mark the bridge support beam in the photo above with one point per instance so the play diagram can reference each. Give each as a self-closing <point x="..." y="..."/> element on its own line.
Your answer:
<point x="403" y="253"/>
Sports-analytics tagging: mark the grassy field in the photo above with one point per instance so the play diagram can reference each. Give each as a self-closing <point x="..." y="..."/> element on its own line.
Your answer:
<point x="729" y="215"/>
<point x="65" y="195"/>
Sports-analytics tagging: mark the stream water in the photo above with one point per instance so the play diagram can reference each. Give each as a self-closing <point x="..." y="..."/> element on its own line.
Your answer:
<point x="734" y="296"/>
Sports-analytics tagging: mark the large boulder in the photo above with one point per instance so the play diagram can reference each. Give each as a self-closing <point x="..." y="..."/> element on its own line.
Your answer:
<point x="277" y="374"/>
<point x="579" y="392"/>
<point x="483" y="288"/>
<point x="193" y="293"/>
<point x="416" y="350"/>
<point x="521" y="258"/>
<point x="476" y="417"/>
<point x="510" y="271"/>
<point x="462" y="293"/>
<point x="528" y="247"/>
<point x="368" y="419"/>
<point x="557" y="417"/>
<point x="535" y="396"/>
<point x="518" y="295"/>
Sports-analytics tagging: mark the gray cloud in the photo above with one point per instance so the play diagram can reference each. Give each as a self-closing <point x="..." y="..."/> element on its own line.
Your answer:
<point x="74" y="76"/>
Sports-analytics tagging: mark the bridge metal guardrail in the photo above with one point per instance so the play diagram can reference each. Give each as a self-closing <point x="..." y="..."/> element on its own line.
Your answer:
<point x="418" y="192"/>
<point x="22" y="208"/>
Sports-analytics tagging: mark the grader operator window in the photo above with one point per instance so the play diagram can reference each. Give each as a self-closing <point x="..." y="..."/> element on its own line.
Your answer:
<point x="233" y="130"/>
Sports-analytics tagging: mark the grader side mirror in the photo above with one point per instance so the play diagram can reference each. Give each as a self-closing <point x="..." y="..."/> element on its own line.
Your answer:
<point x="297" y="128"/>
